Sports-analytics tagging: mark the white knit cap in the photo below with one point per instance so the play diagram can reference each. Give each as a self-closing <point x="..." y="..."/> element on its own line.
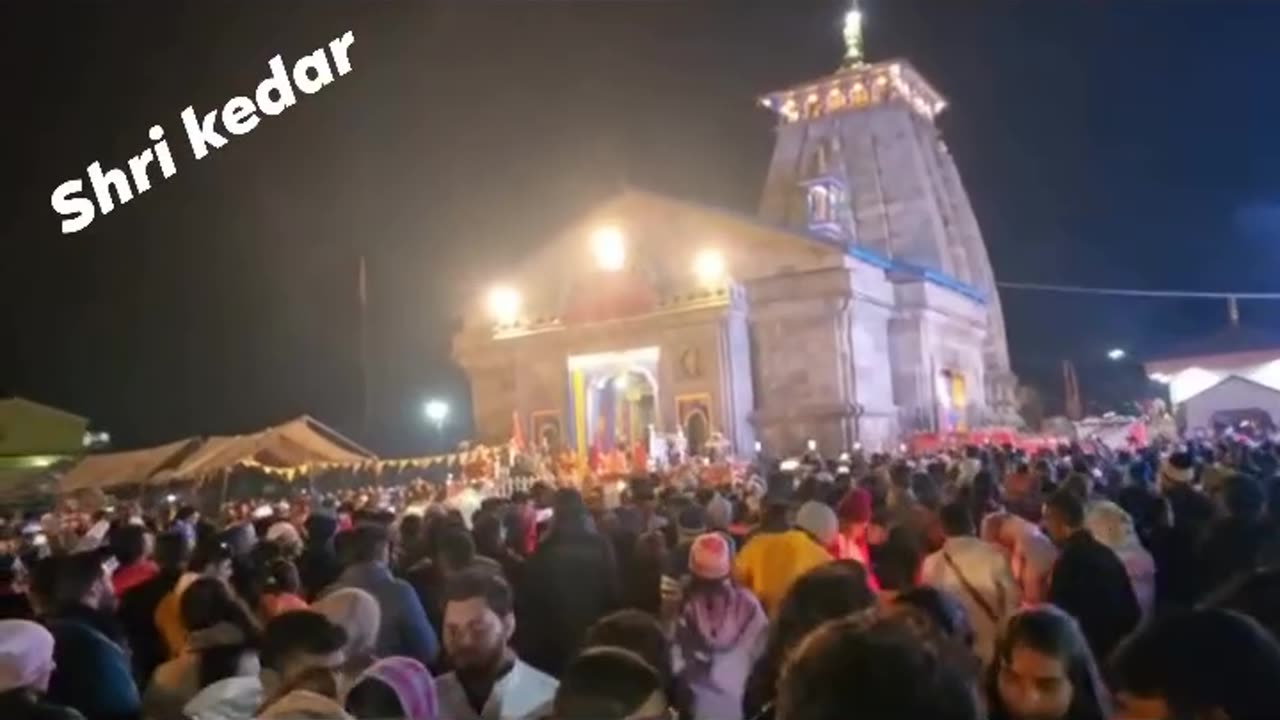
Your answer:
<point x="819" y="520"/>
<point x="719" y="513"/>
<point x="26" y="654"/>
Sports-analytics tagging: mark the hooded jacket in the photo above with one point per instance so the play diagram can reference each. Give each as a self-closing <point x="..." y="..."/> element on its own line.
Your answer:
<point x="569" y="583"/>
<point x="177" y="681"/>
<point x="1113" y="527"/>
<point x="318" y="565"/>
<point x="93" y="674"/>
<point x="403" y="628"/>
<point x="772" y="561"/>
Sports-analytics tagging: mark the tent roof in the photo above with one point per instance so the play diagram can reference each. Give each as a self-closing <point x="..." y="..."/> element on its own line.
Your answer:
<point x="302" y="440"/>
<point x="106" y="470"/>
<point x="298" y="441"/>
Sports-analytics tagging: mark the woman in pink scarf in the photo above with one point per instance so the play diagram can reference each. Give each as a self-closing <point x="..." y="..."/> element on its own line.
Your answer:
<point x="719" y="634"/>
<point x="394" y="687"/>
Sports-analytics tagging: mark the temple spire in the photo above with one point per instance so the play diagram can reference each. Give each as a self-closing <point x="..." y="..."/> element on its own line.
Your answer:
<point x="853" y="36"/>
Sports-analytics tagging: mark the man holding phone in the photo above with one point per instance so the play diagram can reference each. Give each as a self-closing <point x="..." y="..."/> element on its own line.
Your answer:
<point x="93" y="673"/>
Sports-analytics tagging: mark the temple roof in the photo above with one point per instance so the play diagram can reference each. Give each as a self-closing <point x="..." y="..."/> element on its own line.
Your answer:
<point x="871" y="257"/>
<point x="855" y="88"/>
<point x="666" y="229"/>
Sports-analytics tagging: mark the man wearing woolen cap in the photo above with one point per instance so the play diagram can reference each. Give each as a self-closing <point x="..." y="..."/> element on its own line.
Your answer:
<point x="718" y="631"/>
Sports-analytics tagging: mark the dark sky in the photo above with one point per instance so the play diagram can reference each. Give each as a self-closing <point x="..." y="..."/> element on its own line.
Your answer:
<point x="1123" y="143"/>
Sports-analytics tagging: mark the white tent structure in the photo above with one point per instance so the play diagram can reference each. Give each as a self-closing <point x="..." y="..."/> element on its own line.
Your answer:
<point x="133" y="467"/>
<point x="299" y="441"/>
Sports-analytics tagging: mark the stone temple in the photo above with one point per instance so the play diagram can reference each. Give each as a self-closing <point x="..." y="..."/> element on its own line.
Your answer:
<point x="856" y="307"/>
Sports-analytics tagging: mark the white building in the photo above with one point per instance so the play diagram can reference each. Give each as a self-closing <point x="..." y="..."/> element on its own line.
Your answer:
<point x="1222" y="380"/>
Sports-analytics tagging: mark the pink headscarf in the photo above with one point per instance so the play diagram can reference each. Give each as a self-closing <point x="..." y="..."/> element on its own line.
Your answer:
<point x="26" y="655"/>
<point x="411" y="682"/>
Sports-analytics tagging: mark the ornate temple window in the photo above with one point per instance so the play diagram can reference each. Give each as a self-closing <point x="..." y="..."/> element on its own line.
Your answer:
<point x="824" y="191"/>
<point x="812" y="106"/>
<point x="879" y="89"/>
<point x="820" y="204"/>
<point x="835" y="99"/>
<point x="790" y="111"/>
<point x="859" y="95"/>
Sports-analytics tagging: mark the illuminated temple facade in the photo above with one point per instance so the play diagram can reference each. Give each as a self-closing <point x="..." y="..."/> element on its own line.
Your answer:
<point x="857" y="306"/>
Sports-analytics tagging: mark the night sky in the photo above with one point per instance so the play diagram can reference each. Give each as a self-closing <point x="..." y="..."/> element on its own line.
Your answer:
<point x="1123" y="143"/>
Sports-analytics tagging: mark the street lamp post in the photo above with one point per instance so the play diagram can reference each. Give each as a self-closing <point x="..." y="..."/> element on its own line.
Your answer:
<point x="437" y="411"/>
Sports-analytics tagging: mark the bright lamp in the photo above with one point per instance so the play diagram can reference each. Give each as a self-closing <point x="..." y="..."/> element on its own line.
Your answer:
<point x="708" y="266"/>
<point x="504" y="304"/>
<point x="609" y="248"/>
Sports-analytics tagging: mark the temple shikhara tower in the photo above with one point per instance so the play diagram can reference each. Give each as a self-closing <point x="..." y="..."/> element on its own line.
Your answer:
<point x="857" y="306"/>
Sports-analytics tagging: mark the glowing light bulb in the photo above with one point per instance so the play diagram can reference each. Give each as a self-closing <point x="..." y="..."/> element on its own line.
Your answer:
<point x="504" y="304"/>
<point x="708" y="266"/>
<point x="609" y="248"/>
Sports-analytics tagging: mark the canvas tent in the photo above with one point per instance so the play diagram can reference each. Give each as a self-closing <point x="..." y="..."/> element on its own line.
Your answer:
<point x="108" y="470"/>
<point x="299" y="441"/>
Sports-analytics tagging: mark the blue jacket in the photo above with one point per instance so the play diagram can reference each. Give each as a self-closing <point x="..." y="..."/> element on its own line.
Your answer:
<point x="92" y="673"/>
<point x="404" y="629"/>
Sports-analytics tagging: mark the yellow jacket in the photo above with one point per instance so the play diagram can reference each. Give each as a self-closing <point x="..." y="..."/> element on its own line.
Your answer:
<point x="771" y="562"/>
<point x="168" y="616"/>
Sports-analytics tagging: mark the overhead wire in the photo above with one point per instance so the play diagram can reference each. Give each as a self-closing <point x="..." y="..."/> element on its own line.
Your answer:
<point x="1134" y="292"/>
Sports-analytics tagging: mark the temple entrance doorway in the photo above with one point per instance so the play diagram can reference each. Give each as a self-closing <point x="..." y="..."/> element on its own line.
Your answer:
<point x="625" y="406"/>
<point x="615" y="398"/>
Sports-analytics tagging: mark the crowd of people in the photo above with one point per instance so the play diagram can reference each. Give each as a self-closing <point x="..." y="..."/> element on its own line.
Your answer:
<point x="979" y="583"/>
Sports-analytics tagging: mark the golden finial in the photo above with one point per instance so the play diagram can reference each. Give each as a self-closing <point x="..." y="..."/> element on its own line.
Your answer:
<point x="853" y="36"/>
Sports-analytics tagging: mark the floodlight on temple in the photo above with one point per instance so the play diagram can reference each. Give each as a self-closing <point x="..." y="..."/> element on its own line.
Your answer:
<point x="709" y="267"/>
<point x="609" y="247"/>
<point x="504" y="304"/>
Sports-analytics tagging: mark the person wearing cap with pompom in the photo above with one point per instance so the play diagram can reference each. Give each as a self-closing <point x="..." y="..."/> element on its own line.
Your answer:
<point x="719" y="633"/>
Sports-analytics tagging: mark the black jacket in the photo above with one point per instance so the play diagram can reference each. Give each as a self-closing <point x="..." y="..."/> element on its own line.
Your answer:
<point x="1231" y="548"/>
<point x="15" y="606"/>
<point x="22" y="704"/>
<point x="137" y="613"/>
<point x="318" y="566"/>
<point x="570" y="582"/>
<point x="1091" y="584"/>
